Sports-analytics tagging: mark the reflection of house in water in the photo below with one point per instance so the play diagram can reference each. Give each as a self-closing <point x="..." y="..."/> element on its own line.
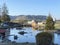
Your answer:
<point x="4" y="33"/>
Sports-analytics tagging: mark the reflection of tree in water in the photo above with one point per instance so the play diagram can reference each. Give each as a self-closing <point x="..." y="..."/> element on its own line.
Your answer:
<point x="31" y="34"/>
<point x="2" y="35"/>
<point x="22" y="32"/>
<point x="15" y="37"/>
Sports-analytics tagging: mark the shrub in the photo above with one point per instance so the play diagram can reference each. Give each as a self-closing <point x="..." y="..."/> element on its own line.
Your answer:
<point x="44" y="38"/>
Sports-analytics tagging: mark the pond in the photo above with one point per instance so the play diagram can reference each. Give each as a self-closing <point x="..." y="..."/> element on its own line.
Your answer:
<point x="29" y="36"/>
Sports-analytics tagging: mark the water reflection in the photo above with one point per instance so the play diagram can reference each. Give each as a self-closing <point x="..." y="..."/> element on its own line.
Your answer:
<point x="29" y="36"/>
<point x="57" y="38"/>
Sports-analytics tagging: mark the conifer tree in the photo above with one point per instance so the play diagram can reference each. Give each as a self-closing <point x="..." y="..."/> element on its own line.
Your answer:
<point x="49" y="23"/>
<point x="5" y="16"/>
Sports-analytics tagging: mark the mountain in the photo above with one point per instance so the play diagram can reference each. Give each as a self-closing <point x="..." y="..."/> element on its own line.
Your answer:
<point x="13" y="17"/>
<point x="29" y="17"/>
<point x="36" y="17"/>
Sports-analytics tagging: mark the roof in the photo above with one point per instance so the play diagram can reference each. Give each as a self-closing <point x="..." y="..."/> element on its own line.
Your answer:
<point x="2" y="31"/>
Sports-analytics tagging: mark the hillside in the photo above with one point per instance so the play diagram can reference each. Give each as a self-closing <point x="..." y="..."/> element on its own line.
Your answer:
<point x="29" y="17"/>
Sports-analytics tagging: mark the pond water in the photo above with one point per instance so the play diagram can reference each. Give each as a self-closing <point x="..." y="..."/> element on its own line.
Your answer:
<point x="29" y="36"/>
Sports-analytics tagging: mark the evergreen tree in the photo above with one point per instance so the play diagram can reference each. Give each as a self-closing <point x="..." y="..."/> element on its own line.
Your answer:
<point x="5" y="16"/>
<point x="49" y="23"/>
<point x="0" y="15"/>
<point x="0" y="19"/>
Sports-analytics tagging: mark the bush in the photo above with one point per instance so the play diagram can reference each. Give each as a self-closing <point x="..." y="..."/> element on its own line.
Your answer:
<point x="44" y="38"/>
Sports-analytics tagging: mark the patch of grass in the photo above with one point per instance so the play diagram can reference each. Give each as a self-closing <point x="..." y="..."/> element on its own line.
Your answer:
<point x="57" y="26"/>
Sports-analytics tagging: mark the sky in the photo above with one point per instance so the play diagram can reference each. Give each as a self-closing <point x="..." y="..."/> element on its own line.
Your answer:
<point x="33" y="7"/>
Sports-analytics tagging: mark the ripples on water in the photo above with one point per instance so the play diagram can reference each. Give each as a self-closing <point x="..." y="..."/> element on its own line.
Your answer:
<point x="57" y="38"/>
<point x="30" y="36"/>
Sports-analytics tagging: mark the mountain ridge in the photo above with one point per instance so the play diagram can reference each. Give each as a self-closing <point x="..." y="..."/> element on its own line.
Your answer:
<point x="29" y="17"/>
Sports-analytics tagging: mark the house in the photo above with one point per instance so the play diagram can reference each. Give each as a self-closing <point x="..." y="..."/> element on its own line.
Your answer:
<point x="29" y="22"/>
<point x="34" y="24"/>
<point x="41" y="25"/>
